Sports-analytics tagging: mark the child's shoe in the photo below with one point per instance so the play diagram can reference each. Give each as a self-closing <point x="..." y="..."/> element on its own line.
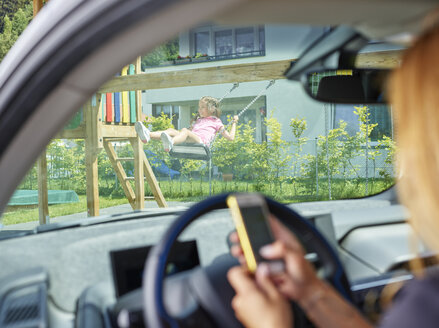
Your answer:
<point x="167" y="141"/>
<point x="142" y="132"/>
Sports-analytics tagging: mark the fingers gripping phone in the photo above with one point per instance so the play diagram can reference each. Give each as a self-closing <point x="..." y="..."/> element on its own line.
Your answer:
<point x="250" y="214"/>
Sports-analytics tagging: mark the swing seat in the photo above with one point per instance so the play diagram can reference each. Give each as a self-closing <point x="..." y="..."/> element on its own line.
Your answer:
<point x="197" y="151"/>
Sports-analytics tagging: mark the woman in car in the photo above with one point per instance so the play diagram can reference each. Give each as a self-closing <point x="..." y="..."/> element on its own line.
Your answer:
<point x="261" y="301"/>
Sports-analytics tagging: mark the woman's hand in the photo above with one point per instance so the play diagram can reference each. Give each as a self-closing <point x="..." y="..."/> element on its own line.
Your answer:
<point x="324" y="306"/>
<point x="235" y="119"/>
<point x="257" y="302"/>
<point x="299" y="281"/>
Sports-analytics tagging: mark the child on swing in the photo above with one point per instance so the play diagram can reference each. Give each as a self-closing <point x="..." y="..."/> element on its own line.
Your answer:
<point x="203" y="130"/>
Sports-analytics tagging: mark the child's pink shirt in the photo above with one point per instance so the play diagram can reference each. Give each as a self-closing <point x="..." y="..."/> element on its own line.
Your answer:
<point x="206" y="128"/>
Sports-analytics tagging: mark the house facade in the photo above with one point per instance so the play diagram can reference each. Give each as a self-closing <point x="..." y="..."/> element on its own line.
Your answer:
<point x="225" y="45"/>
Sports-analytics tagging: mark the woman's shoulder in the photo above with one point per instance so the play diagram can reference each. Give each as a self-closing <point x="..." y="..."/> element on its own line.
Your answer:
<point x="416" y="304"/>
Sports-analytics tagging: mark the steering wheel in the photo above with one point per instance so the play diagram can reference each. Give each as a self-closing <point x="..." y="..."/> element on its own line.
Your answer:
<point x="202" y="297"/>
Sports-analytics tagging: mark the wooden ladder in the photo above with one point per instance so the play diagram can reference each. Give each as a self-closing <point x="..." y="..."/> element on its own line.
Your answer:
<point x="124" y="179"/>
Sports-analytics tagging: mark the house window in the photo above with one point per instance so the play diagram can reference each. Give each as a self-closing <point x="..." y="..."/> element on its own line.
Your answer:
<point x="202" y="42"/>
<point x="261" y="40"/>
<point x="227" y="42"/>
<point x="381" y="114"/>
<point x="223" y="42"/>
<point x="245" y="40"/>
<point x="170" y="111"/>
<point x="378" y="114"/>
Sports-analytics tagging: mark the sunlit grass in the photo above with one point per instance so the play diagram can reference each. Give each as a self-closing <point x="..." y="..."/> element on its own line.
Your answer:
<point x="22" y="215"/>
<point x="287" y="192"/>
<point x="196" y="190"/>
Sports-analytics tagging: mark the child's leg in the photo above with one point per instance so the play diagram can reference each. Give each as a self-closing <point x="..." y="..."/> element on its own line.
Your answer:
<point x="156" y="134"/>
<point x="185" y="135"/>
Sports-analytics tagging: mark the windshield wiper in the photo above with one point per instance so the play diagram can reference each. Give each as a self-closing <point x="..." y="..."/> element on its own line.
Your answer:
<point x="6" y="234"/>
<point x="105" y="219"/>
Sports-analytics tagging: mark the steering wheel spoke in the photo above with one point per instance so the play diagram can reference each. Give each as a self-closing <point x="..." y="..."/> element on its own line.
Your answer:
<point x="181" y="301"/>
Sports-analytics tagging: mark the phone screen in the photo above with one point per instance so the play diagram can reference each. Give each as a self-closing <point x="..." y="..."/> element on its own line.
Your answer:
<point x="257" y="228"/>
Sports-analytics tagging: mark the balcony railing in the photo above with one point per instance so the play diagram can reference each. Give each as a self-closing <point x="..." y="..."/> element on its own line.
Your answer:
<point x="203" y="59"/>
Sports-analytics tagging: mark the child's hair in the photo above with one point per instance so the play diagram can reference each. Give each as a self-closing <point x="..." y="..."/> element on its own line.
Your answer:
<point x="212" y="105"/>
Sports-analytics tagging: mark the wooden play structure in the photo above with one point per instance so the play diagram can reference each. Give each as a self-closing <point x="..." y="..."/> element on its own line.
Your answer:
<point x="110" y="116"/>
<point x="106" y="118"/>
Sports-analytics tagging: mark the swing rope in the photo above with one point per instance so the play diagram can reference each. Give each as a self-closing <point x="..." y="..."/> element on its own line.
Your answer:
<point x="201" y="151"/>
<point x="235" y="85"/>
<point x="193" y="150"/>
<point x="245" y="109"/>
<point x="254" y="100"/>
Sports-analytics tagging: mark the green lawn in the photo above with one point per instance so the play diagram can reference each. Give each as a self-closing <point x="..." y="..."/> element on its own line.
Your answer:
<point x="300" y="190"/>
<point x="21" y="215"/>
<point x="287" y="192"/>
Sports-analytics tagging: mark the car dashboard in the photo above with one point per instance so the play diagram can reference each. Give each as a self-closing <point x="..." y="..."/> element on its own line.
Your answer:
<point x="75" y="276"/>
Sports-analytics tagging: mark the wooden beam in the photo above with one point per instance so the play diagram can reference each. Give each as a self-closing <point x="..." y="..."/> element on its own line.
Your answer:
<point x="118" y="131"/>
<point x="153" y="184"/>
<point x="78" y="133"/>
<point x="120" y="172"/>
<point x="383" y="59"/>
<point x="199" y="76"/>
<point x="105" y="131"/>
<point x="249" y="72"/>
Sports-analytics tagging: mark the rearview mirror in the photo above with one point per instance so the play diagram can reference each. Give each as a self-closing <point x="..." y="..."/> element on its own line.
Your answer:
<point x="349" y="86"/>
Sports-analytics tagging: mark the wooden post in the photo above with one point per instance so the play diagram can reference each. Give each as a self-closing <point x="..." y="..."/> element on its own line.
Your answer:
<point x="138" y="151"/>
<point x="92" y="149"/>
<point x="138" y="173"/>
<point x="139" y="92"/>
<point x="37" y="4"/>
<point x="43" y="197"/>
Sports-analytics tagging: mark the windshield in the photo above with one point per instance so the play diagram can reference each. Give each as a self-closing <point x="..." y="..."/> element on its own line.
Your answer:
<point x="214" y="114"/>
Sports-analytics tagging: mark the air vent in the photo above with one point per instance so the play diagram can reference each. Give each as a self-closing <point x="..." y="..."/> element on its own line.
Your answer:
<point x="22" y="308"/>
<point x="24" y="303"/>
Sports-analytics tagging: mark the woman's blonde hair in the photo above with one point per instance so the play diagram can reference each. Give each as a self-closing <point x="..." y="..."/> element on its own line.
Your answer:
<point x="415" y="97"/>
<point x="212" y="105"/>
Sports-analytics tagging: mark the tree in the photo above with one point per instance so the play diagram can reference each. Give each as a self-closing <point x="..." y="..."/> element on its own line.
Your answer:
<point x="390" y="148"/>
<point x="7" y="10"/>
<point x="298" y="127"/>
<point x="12" y="28"/>
<point x="20" y="21"/>
<point x="162" y="53"/>
<point x="235" y="156"/>
<point x="278" y="150"/>
<point x="6" y="38"/>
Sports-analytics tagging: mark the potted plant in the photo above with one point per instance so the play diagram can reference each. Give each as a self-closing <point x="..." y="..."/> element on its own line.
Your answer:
<point x="199" y="57"/>
<point x="183" y="60"/>
<point x="170" y="60"/>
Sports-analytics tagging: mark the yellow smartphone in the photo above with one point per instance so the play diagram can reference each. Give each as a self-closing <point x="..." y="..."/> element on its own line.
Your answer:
<point x="250" y="215"/>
